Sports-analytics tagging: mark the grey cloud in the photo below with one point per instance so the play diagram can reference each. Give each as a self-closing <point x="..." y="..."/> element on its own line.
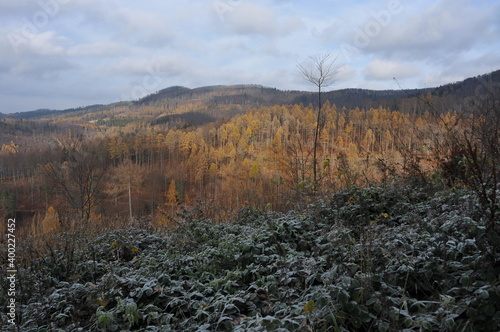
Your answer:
<point x="337" y="30"/>
<point x="248" y="18"/>
<point x="14" y="10"/>
<point x="98" y="49"/>
<point x="41" y="68"/>
<point x="40" y="57"/>
<point x="479" y="65"/>
<point x="4" y="67"/>
<point x="167" y="65"/>
<point x="46" y="44"/>
<point x="346" y="73"/>
<point x="111" y="47"/>
<point x="149" y="29"/>
<point x="445" y="27"/>
<point x="461" y="69"/>
<point x="387" y="70"/>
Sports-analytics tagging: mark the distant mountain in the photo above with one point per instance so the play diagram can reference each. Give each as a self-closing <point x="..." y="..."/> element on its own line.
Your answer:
<point x="470" y="86"/>
<point x="235" y="99"/>
<point x="362" y="98"/>
<point x="257" y="95"/>
<point x="220" y="95"/>
<point x="41" y="113"/>
<point x="168" y="93"/>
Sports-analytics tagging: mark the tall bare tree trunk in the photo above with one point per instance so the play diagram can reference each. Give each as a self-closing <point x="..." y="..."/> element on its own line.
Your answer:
<point x="321" y="72"/>
<point x="130" y="201"/>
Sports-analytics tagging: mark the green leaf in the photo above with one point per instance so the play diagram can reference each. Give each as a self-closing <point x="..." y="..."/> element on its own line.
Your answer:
<point x="271" y="323"/>
<point x="472" y="313"/>
<point x="383" y="327"/>
<point x="489" y="309"/>
<point x="356" y="321"/>
<point x="450" y="322"/>
<point x="365" y="317"/>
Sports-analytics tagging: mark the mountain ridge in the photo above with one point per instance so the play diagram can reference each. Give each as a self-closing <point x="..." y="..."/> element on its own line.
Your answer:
<point x="255" y="95"/>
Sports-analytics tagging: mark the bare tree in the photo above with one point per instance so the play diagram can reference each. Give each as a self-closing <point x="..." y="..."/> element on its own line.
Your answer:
<point x="471" y="150"/>
<point x="79" y="174"/>
<point x="321" y="71"/>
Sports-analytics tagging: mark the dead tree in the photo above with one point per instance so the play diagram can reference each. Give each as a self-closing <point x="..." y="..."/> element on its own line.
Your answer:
<point x="321" y="72"/>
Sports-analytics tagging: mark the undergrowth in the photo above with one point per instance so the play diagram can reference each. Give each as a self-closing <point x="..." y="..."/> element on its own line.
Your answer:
<point x="375" y="259"/>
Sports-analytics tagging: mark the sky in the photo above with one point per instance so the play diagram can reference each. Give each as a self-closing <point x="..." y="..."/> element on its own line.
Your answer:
<point x="61" y="54"/>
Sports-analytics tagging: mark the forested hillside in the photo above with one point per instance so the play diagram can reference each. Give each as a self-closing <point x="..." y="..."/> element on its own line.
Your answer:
<point x="199" y="209"/>
<point x="199" y="147"/>
<point x="262" y="158"/>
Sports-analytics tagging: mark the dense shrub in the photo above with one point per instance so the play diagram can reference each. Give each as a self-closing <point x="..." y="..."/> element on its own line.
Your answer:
<point x="381" y="259"/>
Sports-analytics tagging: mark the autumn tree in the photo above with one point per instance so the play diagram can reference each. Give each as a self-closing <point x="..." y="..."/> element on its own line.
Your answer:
<point x="9" y="148"/>
<point x="322" y="73"/>
<point x="169" y="208"/>
<point x="48" y="224"/>
<point x="78" y="176"/>
<point x="172" y="193"/>
<point x="124" y="180"/>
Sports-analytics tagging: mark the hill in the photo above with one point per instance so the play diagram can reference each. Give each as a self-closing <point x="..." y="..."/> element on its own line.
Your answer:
<point x="223" y="101"/>
<point x="375" y="259"/>
<point x="470" y="86"/>
<point x="44" y="113"/>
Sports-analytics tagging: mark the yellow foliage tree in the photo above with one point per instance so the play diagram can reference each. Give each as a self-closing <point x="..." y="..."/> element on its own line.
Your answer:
<point x="10" y="148"/>
<point x="48" y="224"/>
<point x="169" y="207"/>
<point x="172" y="195"/>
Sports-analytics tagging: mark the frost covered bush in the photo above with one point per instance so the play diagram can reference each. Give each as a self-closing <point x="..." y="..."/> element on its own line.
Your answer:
<point x="380" y="259"/>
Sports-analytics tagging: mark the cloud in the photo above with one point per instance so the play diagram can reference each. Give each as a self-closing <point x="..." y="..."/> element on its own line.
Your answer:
<point x="387" y="70"/>
<point x="442" y="28"/>
<point x="164" y="65"/>
<point x="437" y="78"/>
<point x="13" y="9"/>
<point x="149" y="29"/>
<point x="41" y="56"/>
<point x="47" y="44"/>
<point x="462" y="69"/>
<point x="98" y="49"/>
<point x="4" y="67"/>
<point x="248" y="18"/>
<point x="345" y="73"/>
<point x="41" y="68"/>
<point x="335" y="30"/>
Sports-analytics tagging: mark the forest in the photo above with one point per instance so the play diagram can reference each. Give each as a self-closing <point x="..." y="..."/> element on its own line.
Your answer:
<point x="172" y="166"/>
<point x="262" y="158"/>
